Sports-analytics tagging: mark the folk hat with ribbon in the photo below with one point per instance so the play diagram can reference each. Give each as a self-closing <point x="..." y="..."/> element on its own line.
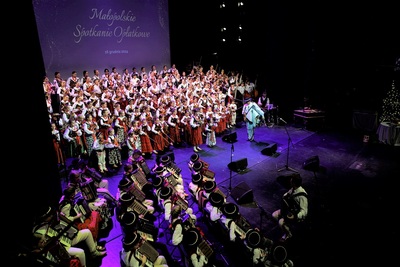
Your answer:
<point x="230" y="210"/>
<point x="209" y="186"/>
<point x="194" y="157"/>
<point x="216" y="199"/>
<point x="130" y="240"/>
<point x="197" y="178"/>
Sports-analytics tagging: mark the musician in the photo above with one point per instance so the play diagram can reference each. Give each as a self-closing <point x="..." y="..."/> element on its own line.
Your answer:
<point x="143" y="129"/>
<point x="213" y="206"/>
<point x="96" y="87"/>
<point x="174" y="129"/>
<point x="81" y="172"/>
<point x="127" y="182"/>
<point x="129" y="256"/>
<point x="73" y="135"/>
<point x="131" y="223"/>
<point x="196" y="124"/>
<point x="185" y="127"/>
<point x="73" y="79"/>
<point x="210" y="130"/>
<point x="259" y="246"/>
<point x="196" y="184"/>
<point x="90" y="128"/>
<point x="252" y="115"/>
<point x="176" y="225"/>
<point x="165" y="131"/>
<point x="48" y="219"/>
<point x="126" y="199"/>
<point x="172" y="168"/>
<point x="55" y="133"/>
<point x="249" y="88"/>
<point x="264" y="103"/>
<point x="233" y="107"/>
<point x="192" y="239"/>
<point x="171" y="176"/>
<point x="105" y="120"/>
<point x="87" y="84"/>
<point x="113" y="149"/>
<point x="165" y="194"/>
<point x="230" y="213"/>
<point x="121" y="127"/>
<point x="103" y="199"/>
<point x="89" y="221"/>
<point x="136" y="158"/>
<point x="294" y="207"/>
<point x="134" y="172"/>
<point x="92" y="105"/>
<point x="278" y="257"/>
<point x="99" y="148"/>
<point x="197" y="165"/>
<point x="131" y="107"/>
<point x="159" y="142"/>
<point x="134" y="141"/>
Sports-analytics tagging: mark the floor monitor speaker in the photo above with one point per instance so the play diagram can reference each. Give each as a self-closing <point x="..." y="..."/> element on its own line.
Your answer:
<point x="242" y="193"/>
<point x="238" y="165"/>
<point x="311" y="164"/>
<point x="270" y="149"/>
<point x="230" y="138"/>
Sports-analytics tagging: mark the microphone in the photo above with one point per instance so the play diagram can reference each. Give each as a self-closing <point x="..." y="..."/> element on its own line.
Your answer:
<point x="283" y="120"/>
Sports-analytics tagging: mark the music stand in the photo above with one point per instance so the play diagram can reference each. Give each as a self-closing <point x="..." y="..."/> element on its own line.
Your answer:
<point x="286" y="167"/>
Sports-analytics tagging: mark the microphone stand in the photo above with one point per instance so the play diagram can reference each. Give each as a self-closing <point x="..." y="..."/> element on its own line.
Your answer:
<point x="230" y="169"/>
<point x="286" y="167"/>
<point x="262" y="212"/>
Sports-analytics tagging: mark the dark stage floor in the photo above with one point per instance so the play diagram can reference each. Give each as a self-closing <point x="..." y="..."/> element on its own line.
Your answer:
<point x="351" y="194"/>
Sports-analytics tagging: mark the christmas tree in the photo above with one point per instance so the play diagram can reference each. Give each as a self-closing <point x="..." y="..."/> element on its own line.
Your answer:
<point x="391" y="105"/>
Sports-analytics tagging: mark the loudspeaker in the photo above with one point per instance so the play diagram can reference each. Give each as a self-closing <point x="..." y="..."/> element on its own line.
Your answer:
<point x="230" y="138"/>
<point x="242" y="193"/>
<point x="170" y="154"/>
<point x="311" y="164"/>
<point x="270" y="149"/>
<point x="238" y="165"/>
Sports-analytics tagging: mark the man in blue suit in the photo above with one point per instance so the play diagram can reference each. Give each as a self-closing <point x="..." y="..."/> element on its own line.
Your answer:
<point x="252" y="115"/>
